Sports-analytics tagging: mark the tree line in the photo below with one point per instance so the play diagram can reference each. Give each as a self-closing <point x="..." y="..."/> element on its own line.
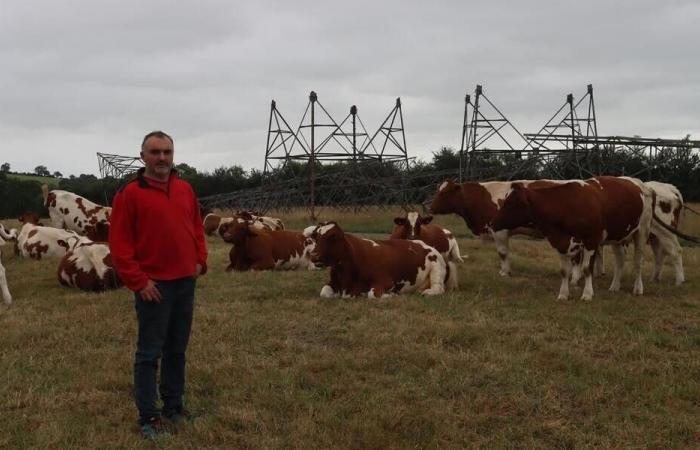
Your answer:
<point x="680" y="167"/>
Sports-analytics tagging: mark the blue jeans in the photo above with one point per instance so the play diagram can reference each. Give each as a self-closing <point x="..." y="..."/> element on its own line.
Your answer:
<point x="164" y="331"/>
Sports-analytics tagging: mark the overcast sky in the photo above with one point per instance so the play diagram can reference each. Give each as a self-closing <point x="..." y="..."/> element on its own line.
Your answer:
<point x="80" y="77"/>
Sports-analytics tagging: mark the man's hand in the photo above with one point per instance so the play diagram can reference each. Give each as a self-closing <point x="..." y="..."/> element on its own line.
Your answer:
<point x="198" y="271"/>
<point x="150" y="293"/>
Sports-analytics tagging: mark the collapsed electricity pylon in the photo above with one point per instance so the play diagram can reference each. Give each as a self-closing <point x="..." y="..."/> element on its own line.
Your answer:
<point x="116" y="166"/>
<point x="326" y="140"/>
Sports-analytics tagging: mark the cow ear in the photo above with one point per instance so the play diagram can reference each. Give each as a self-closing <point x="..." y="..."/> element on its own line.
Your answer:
<point x="400" y="220"/>
<point x="426" y="220"/>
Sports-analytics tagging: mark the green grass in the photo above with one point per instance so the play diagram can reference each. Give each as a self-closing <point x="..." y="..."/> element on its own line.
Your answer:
<point x="498" y="364"/>
<point x="51" y="182"/>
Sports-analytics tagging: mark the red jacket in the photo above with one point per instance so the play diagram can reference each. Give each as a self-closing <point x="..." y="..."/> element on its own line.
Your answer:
<point x="154" y="234"/>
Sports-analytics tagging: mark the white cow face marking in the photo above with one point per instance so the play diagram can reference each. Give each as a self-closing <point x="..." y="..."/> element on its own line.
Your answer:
<point x="443" y="185"/>
<point x="323" y="229"/>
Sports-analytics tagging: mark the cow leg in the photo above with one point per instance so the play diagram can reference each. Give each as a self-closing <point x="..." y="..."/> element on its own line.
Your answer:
<point x="451" y="282"/>
<point x="599" y="262"/>
<point x="619" y="253"/>
<point x="586" y="265"/>
<point x="565" y="269"/>
<point x="502" y="242"/>
<point x="3" y="284"/>
<point x="659" y="256"/>
<point x="638" y="259"/>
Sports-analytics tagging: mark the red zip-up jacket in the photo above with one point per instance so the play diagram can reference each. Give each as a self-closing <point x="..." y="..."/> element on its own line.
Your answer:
<point x="156" y="234"/>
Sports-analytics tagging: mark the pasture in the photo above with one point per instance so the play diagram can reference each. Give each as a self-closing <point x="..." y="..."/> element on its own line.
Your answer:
<point x="498" y="364"/>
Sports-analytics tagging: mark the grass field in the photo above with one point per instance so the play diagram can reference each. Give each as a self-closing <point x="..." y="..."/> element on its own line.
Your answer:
<point x="51" y="182"/>
<point x="498" y="364"/>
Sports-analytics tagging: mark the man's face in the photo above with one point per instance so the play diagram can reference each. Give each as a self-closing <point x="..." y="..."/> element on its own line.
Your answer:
<point x="157" y="155"/>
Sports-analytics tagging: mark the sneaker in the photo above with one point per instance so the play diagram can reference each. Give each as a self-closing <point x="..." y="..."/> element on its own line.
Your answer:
<point x="153" y="429"/>
<point x="180" y="417"/>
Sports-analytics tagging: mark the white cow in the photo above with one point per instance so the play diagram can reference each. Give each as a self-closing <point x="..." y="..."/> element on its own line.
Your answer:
<point x="39" y="242"/>
<point x="5" y="235"/>
<point x="73" y="212"/>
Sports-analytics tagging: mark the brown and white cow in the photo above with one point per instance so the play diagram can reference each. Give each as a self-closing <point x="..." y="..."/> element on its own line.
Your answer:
<point x="73" y="212"/>
<point x="578" y="217"/>
<point x="88" y="267"/>
<point x="376" y="268"/>
<point x="37" y="242"/>
<point x="213" y="222"/>
<point x="262" y="249"/>
<point x="478" y="203"/>
<point x="5" y="235"/>
<point x="416" y="227"/>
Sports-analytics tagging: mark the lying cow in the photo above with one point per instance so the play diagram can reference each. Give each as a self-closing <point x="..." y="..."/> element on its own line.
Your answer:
<point x="37" y="242"/>
<point x="376" y="268"/>
<point x="5" y="235"/>
<point x="416" y="227"/>
<point x="213" y="222"/>
<point x="261" y="249"/>
<point x="73" y="212"/>
<point x="88" y="267"/>
<point x="578" y="217"/>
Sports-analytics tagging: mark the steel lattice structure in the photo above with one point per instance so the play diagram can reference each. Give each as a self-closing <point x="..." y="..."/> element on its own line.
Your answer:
<point x="116" y="166"/>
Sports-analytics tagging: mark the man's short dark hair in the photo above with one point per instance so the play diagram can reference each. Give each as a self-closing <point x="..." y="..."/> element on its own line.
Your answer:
<point x="158" y="134"/>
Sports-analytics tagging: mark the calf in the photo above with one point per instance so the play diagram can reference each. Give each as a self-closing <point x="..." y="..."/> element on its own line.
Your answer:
<point x="88" y="267"/>
<point x="256" y="249"/>
<point x="5" y="235"/>
<point x="376" y="268"/>
<point x="578" y="217"/>
<point x="39" y="242"/>
<point x="73" y="212"/>
<point x="416" y="227"/>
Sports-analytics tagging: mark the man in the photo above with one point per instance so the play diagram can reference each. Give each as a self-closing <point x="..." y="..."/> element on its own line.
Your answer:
<point x="158" y="248"/>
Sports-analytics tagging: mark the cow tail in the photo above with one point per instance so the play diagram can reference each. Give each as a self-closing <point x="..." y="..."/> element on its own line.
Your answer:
<point x="45" y="193"/>
<point x="680" y="234"/>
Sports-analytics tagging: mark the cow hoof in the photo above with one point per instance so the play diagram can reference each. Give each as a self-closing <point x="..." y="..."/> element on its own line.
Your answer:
<point x="327" y="292"/>
<point x="638" y="292"/>
<point x="504" y="273"/>
<point x="614" y="288"/>
<point x="433" y="291"/>
<point x="586" y="298"/>
<point x="562" y="298"/>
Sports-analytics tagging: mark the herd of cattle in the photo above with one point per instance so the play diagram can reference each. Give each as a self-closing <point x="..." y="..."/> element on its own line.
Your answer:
<point x="577" y="217"/>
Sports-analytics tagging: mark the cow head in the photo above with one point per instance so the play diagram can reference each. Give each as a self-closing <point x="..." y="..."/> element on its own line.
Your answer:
<point x="515" y="211"/>
<point x="211" y="223"/>
<point x="237" y="231"/>
<point x="330" y="243"/>
<point x="29" y="217"/>
<point x="447" y="199"/>
<point x="409" y="227"/>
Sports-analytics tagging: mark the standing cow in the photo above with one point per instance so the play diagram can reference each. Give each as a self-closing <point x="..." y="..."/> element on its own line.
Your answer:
<point x="416" y="227"/>
<point x="668" y="208"/>
<point x="5" y="235"/>
<point x="578" y="217"/>
<point x="376" y="268"/>
<point x="73" y="212"/>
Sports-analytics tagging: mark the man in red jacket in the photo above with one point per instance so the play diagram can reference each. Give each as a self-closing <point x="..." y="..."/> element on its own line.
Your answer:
<point x="158" y="248"/>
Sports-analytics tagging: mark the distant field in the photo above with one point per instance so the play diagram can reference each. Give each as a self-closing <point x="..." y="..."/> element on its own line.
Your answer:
<point x="50" y="181"/>
<point x="497" y="364"/>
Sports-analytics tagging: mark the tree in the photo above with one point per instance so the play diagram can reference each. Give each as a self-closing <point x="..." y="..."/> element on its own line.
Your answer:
<point x="57" y="174"/>
<point x="42" y="171"/>
<point x="5" y="167"/>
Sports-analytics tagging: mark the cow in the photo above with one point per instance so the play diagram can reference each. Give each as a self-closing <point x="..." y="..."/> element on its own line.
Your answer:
<point x="416" y="227"/>
<point x="668" y="208"/>
<point x="578" y="217"/>
<point x="262" y="249"/>
<point x="37" y="242"/>
<point x="73" y="212"/>
<point x="5" y="235"/>
<point x="376" y="268"/>
<point x="213" y="222"/>
<point x="88" y="267"/>
<point x="478" y="203"/>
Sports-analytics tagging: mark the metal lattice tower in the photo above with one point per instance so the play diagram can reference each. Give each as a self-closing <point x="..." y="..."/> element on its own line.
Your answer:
<point x="116" y="166"/>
